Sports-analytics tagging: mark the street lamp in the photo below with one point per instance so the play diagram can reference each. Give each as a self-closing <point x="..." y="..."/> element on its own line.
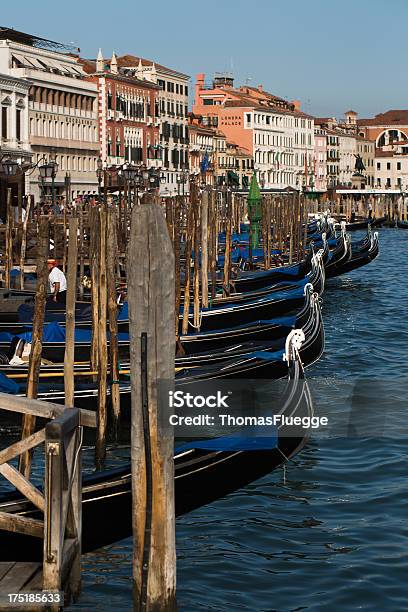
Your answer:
<point x="182" y="179"/>
<point x="50" y="170"/>
<point x="9" y="167"/>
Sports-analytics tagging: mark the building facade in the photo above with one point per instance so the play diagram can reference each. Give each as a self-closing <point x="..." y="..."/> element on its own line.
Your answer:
<point x="201" y="148"/>
<point x="62" y="111"/>
<point x="14" y="134"/>
<point x="173" y="108"/>
<point x="365" y="148"/>
<point x="347" y="161"/>
<point x="128" y="116"/>
<point x="275" y="132"/>
<point x="320" y="159"/>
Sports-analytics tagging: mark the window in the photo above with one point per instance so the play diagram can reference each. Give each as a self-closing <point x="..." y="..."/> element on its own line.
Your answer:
<point x="186" y="90"/>
<point x="388" y="166"/>
<point x="4" y="120"/>
<point x="248" y="117"/>
<point x="18" y="124"/>
<point x="398" y="165"/>
<point x="378" y="166"/>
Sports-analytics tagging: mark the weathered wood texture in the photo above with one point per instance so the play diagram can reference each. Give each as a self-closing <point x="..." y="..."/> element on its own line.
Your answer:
<point x="151" y="298"/>
<point x="69" y="386"/>
<point x="36" y="345"/>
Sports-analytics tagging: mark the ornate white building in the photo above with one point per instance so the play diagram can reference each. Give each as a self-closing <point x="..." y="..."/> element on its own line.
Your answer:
<point x="14" y="136"/>
<point x="62" y="113"/>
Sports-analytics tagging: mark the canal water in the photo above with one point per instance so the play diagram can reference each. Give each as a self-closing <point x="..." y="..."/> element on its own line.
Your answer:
<point x="328" y="531"/>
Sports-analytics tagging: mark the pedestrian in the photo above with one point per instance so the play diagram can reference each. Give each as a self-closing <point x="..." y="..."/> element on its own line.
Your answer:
<point x="57" y="282"/>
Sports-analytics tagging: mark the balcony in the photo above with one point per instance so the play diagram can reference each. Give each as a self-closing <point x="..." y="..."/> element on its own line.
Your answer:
<point x="115" y="160"/>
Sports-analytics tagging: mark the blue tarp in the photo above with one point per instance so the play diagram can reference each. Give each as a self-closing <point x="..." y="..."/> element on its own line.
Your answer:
<point x="8" y="386"/>
<point x="53" y="332"/>
<point x="56" y="312"/>
<point x="235" y="443"/>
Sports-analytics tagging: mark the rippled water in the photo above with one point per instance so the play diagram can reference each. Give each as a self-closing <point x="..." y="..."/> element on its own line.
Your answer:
<point x="329" y="531"/>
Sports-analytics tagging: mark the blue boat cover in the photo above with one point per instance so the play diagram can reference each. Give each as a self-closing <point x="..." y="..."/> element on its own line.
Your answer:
<point x="53" y="332"/>
<point x="8" y="386"/>
<point x="53" y="313"/>
<point x="235" y="443"/>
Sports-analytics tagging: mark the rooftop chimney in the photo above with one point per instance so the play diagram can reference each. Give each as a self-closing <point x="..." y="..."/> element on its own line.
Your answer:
<point x="200" y="78"/>
<point x="296" y="104"/>
<point x="260" y="88"/>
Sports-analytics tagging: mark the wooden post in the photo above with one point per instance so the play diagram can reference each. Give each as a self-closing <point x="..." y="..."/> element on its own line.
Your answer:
<point x="151" y="294"/>
<point x="36" y="343"/>
<point x="24" y="243"/>
<point x="187" y="272"/>
<point x="100" y="445"/>
<point x="196" y="276"/>
<point x="81" y="250"/>
<point x="9" y="240"/>
<point x="204" y="248"/>
<point x="94" y="266"/>
<point x="213" y="243"/>
<point x="227" y="256"/>
<point x="20" y="199"/>
<point x="70" y="313"/>
<point x="178" y="212"/>
<point x="111" y="255"/>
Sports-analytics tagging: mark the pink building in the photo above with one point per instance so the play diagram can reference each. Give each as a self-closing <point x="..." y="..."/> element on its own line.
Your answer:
<point x="320" y="159"/>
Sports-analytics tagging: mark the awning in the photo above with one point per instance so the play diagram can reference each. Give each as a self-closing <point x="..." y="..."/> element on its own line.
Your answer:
<point x="23" y="60"/>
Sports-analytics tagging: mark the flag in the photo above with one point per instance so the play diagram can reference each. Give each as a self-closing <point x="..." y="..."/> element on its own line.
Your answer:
<point x="205" y="163"/>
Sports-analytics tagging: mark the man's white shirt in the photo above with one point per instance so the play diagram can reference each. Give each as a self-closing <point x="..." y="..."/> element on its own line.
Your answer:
<point x="57" y="276"/>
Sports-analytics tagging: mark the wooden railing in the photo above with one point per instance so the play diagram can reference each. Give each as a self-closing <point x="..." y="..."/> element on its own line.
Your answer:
<point x="61" y="500"/>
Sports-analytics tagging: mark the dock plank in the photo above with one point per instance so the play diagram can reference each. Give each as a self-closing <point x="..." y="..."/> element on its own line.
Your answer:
<point x="18" y="576"/>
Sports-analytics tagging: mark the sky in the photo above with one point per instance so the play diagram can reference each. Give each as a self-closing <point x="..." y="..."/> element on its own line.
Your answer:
<point x="331" y="55"/>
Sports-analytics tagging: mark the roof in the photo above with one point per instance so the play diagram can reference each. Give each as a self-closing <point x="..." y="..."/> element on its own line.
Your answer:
<point x="132" y="61"/>
<point x="34" y="41"/>
<point x="89" y="67"/>
<point x="391" y="117"/>
<point x="129" y="61"/>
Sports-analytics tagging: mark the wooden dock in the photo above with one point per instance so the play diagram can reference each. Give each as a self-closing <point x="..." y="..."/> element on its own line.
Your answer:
<point x="16" y="578"/>
<point x="38" y="585"/>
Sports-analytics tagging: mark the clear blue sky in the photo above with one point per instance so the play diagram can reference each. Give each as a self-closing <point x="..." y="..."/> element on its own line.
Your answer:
<point x="330" y="54"/>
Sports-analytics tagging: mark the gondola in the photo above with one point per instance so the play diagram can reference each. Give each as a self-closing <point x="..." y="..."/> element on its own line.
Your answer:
<point x="217" y="319"/>
<point x="204" y="471"/>
<point x="357" y="260"/>
<point x="199" y="364"/>
<point x="402" y="224"/>
<point x="359" y="225"/>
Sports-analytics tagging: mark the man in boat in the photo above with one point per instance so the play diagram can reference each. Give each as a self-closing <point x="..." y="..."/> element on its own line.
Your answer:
<point x="57" y="282"/>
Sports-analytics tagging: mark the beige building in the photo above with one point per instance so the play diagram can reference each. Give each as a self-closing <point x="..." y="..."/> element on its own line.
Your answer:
<point x="347" y="157"/>
<point x="62" y="111"/>
<point x="231" y="164"/>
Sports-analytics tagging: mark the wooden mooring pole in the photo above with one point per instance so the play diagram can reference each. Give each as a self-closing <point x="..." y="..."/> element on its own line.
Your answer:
<point x="36" y="342"/>
<point x="100" y="445"/>
<point x="152" y="349"/>
<point x="70" y="312"/>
